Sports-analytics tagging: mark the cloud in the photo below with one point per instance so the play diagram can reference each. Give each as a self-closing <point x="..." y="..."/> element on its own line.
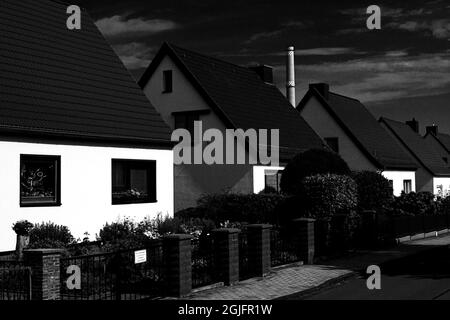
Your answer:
<point x="326" y="51"/>
<point x="263" y="35"/>
<point x="118" y="25"/>
<point x="134" y="55"/>
<point x="396" y="53"/>
<point x="377" y="78"/>
<point x="439" y="28"/>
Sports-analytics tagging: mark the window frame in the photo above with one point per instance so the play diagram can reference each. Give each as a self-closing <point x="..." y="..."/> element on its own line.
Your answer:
<point x="167" y="87"/>
<point x="151" y="184"/>
<point x="57" y="182"/>
<point x="405" y="182"/>
<point x="277" y="174"/>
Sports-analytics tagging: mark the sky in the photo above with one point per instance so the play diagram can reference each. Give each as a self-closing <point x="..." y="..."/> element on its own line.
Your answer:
<point x="400" y="71"/>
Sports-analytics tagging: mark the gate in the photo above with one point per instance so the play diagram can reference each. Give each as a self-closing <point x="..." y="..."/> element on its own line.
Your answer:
<point x="121" y="275"/>
<point x="15" y="281"/>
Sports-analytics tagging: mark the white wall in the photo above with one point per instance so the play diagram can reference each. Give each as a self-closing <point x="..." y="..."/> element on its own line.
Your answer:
<point x="443" y="183"/>
<point x="397" y="177"/>
<point x="325" y="126"/>
<point x="259" y="177"/>
<point x="85" y="188"/>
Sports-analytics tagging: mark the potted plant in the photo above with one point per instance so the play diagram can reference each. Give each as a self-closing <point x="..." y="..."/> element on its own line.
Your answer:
<point x="22" y="229"/>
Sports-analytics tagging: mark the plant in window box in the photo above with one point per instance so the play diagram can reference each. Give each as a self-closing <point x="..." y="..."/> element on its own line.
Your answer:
<point x="22" y="229"/>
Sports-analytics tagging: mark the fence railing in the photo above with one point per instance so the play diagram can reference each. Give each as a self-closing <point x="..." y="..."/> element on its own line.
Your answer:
<point x="283" y="247"/>
<point x="244" y="266"/>
<point x="115" y="275"/>
<point x="15" y="281"/>
<point x="203" y="261"/>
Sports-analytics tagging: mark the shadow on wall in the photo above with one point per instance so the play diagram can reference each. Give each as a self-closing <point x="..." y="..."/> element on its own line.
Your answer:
<point x="193" y="181"/>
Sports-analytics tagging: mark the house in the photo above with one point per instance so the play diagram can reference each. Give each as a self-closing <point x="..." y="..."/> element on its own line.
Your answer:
<point x="80" y="143"/>
<point x="185" y="86"/>
<point x="350" y="129"/>
<point x="433" y="174"/>
<point x="439" y="141"/>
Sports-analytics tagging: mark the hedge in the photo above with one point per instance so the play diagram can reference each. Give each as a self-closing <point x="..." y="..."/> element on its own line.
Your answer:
<point x="374" y="190"/>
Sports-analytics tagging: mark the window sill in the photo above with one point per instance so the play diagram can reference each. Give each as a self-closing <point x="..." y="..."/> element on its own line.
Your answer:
<point x="133" y="202"/>
<point x="31" y="205"/>
<point x="164" y="92"/>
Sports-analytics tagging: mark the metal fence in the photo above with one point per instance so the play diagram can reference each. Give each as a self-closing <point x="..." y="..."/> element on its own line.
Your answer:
<point x="203" y="261"/>
<point x="15" y="281"/>
<point x="283" y="246"/>
<point x="244" y="267"/>
<point x="114" y="276"/>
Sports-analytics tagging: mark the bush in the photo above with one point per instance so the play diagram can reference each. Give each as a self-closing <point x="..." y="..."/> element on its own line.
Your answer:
<point x="374" y="190"/>
<point x="236" y="207"/>
<point x="414" y="204"/>
<point x="50" y="235"/>
<point x="326" y="195"/>
<point x="22" y="227"/>
<point x="445" y="205"/>
<point x="309" y="163"/>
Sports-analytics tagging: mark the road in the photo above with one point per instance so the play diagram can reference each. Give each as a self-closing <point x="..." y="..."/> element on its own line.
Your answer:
<point x="425" y="276"/>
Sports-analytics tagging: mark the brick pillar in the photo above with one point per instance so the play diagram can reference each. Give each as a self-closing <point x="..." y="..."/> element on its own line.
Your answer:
<point x="304" y="228"/>
<point x="45" y="273"/>
<point x="259" y="249"/>
<point x="226" y="242"/>
<point x="177" y="264"/>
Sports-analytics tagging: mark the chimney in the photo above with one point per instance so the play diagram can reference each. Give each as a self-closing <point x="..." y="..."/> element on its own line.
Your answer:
<point x="413" y="124"/>
<point x="322" y="88"/>
<point x="432" y="129"/>
<point x="265" y="72"/>
<point x="290" y="76"/>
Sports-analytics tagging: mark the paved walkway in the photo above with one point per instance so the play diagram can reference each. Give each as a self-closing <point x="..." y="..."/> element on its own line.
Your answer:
<point x="285" y="281"/>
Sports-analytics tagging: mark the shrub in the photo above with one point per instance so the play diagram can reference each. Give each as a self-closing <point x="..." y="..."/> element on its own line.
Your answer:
<point x="414" y="204"/>
<point x="445" y="205"/>
<point x="50" y="235"/>
<point x="309" y="163"/>
<point x="326" y="195"/>
<point x="236" y="207"/>
<point x="22" y="227"/>
<point x="374" y="190"/>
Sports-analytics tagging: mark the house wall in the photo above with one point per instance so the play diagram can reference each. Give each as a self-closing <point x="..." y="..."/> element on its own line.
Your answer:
<point x="85" y="188"/>
<point x="441" y="186"/>
<point x="424" y="181"/>
<point x="397" y="178"/>
<point x="325" y="126"/>
<point x="259" y="181"/>
<point x="193" y="181"/>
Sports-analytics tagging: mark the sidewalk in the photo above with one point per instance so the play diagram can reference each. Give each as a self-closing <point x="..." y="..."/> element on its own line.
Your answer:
<point x="284" y="281"/>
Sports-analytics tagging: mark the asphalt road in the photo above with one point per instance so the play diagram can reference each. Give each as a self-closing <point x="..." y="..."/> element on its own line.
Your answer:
<point x="425" y="276"/>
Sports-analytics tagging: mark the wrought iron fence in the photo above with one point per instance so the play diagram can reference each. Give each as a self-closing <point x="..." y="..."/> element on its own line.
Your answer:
<point x="203" y="261"/>
<point x="283" y="246"/>
<point x="15" y="281"/>
<point x="114" y="275"/>
<point x="244" y="267"/>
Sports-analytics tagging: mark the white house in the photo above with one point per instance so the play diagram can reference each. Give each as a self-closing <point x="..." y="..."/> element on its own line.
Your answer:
<point x="350" y="129"/>
<point x="433" y="174"/>
<point x="185" y="86"/>
<point x="80" y="143"/>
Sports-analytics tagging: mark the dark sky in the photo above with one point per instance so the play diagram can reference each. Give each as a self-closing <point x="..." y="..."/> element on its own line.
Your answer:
<point x="400" y="71"/>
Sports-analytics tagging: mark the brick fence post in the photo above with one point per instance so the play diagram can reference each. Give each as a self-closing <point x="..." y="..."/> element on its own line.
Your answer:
<point x="45" y="273"/>
<point x="226" y="243"/>
<point x="177" y="252"/>
<point x="304" y="228"/>
<point x="259" y="249"/>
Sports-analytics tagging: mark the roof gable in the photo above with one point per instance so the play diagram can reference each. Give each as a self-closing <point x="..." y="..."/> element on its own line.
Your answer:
<point x="364" y="130"/>
<point x="418" y="147"/>
<point x="241" y="98"/>
<point x="65" y="83"/>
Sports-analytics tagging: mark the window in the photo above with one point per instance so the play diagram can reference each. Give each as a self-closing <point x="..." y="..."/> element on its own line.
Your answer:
<point x="272" y="180"/>
<point x="186" y="121"/>
<point x="333" y="143"/>
<point x="445" y="159"/>
<point x="167" y="81"/>
<point x="133" y="181"/>
<point x="407" y="186"/>
<point x="40" y="181"/>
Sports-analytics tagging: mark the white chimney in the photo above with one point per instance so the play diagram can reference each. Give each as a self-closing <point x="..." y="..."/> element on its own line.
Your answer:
<point x="290" y="76"/>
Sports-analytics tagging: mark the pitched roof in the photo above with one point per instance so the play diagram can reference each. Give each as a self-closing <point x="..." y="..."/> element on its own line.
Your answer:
<point x="241" y="98"/>
<point x="364" y="130"/>
<point x="418" y="147"/>
<point x="444" y="139"/>
<point x="62" y="83"/>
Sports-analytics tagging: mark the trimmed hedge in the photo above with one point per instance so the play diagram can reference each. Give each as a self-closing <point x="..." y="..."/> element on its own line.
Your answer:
<point x="50" y="235"/>
<point x="415" y="204"/>
<point x="374" y="190"/>
<point x="329" y="194"/>
<point x="309" y="163"/>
